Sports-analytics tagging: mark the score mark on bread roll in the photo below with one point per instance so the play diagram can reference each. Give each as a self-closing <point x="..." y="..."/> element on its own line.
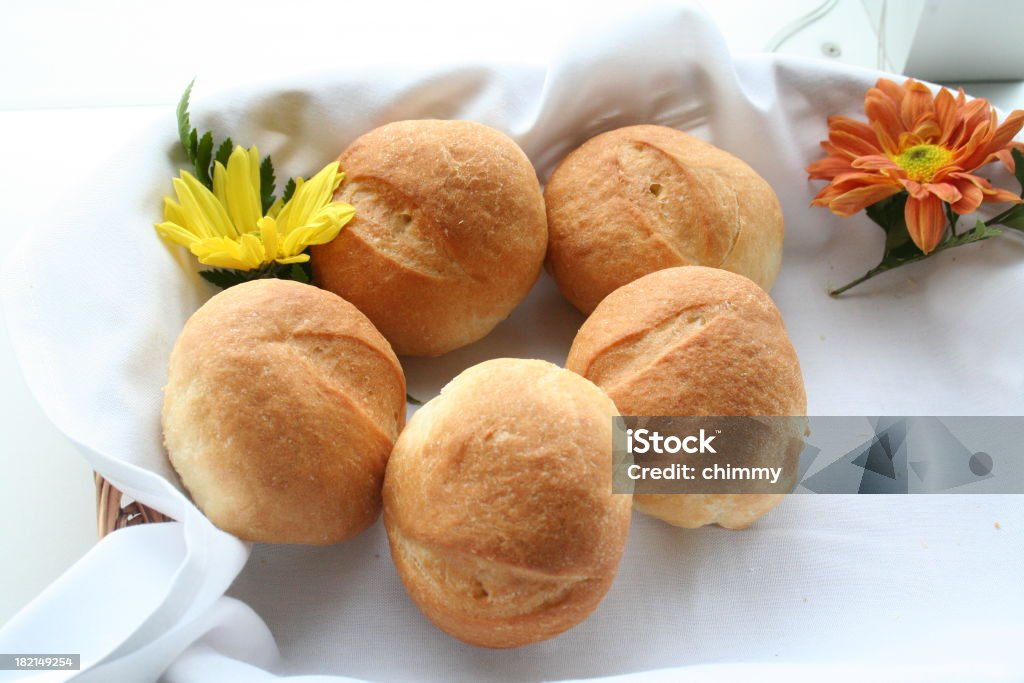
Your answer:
<point x="449" y="233"/>
<point x="696" y="341"/>
<point x="500" y="513"/>
<point x="281" y="407"/>
<point x="642" y="198"/>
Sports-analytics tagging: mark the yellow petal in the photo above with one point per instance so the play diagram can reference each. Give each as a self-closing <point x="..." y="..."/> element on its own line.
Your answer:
<point x="243" y="196"/>
<point x="309" y="197"/>
<point x="301" y="258"/>
<point x="173" y="211"/>
<point x="275" y="208"/>
<point x="175" y="233"/>
<point x="269" y="236"/>
<point x="285" y="222"/>
<point x="205" y="215"/>
<point x="212" y="208"/>
<point x="323" y="228"/>
<point x="220" y="252"/>
<point x="220" y="177"/>
<point x="329" y="221"/>
<point x="194" y="217"/>
<point x="252" y="250"/>
<point x="294" y="242"/>
<point x="340" y="212"/>
<point x="254" y="168"/>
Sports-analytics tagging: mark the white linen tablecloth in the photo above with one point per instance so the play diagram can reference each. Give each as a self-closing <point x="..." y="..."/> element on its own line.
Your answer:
<point x="909" y="588"/>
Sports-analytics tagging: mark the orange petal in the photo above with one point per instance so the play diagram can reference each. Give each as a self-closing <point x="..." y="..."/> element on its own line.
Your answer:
<point x="822" y="199"/>
<point x="851" y="181"/>
<point x="853" y="127"/>
<point x="916" y="104"/>
<point x="831" y="150"/>
<point x="835" y="151"/>
<point x="914" y="188"/>
<point x="945" y="114"/>
<point x="885" y="121"/>
<point x="1006" y="157"/>
<point x="962" y="177"/>
<point x="968" y="117"/>
<point x="997" y="194"/>
<point x="874" y="162"/>
<point x="888" y="142"/>
<point x="989" y="193"/>
<point x="927" y="130"/>
<point x="926" y="222"/>
<point x="1004" y="133"/>
<point x="971" y="197"/>
<point x="825" y="196"/>
<point x="944" y="172"/>
<point x="974" y="152"/>
<point x="947" y="192"/>
<point x="854" y="144"/>
<point x="828" y="168"/>
<point x="975" y="113"/>
<point x="909" y="139"/>
<point x="891" y="90"/>
<point x="853" y="201"/>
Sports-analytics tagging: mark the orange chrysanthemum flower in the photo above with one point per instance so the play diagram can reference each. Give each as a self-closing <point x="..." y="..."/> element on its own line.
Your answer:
<point x="928" y="146"/>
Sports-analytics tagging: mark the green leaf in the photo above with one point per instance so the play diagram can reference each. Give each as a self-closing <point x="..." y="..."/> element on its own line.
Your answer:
<point x="981" y="231"/>
<point x="267" y="182"/>
<point x="289" y="190"/>
<point x="1014" y="218"/>
<point x="186" y="134"/>
<point x="414" y="401"/>
<point x="889" y="215"/>
<point x="1018" y="169"/>
<point x="204" y="159"/>
<point x="307" y="268"/>
<point x="226" y="277"/>
<point x="900" y="253"/>
<point x="193" y="145"/>
<point x="889" y="211"/>
<point x="299" y="274"/>
<point x="224" y="152"/>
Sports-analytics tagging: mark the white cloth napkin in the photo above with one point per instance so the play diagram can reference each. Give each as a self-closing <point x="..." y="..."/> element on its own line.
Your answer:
<point x="892" y="588"/>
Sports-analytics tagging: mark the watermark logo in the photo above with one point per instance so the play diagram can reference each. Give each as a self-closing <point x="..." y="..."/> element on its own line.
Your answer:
<point x="867" y="455"/>
<point x="645" y="441"/>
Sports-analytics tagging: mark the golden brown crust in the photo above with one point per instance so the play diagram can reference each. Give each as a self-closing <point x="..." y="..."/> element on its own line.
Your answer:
<point x="693" y="341"/>
<point x="281" y="406"/>
<point x="449" y="233"/>
<point x="642" y="198"/>
<point x="498" y="503"/>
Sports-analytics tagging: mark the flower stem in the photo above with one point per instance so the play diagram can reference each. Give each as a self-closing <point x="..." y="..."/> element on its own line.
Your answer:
<point x="863" y="278"/>
<point x="976" y="234"/>
<point x="952" y="218"/>
<point x="996" y="220"/>
<point x="877" y="270"/>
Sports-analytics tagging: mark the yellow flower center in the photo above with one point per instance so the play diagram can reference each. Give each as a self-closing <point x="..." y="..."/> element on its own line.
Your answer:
<point x="922" y="162"/>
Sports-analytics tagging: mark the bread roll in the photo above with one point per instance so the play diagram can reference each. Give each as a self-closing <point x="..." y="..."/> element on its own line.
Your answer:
<point x="449" y="233"/>
<point x="281" y="406"/>
<point x="639" y="199"/>
<point x="696" y="341"/>
<point x="498" y="503"/>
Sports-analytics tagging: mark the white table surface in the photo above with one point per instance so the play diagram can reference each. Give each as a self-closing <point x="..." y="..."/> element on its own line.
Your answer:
<point x="86" y="68"/>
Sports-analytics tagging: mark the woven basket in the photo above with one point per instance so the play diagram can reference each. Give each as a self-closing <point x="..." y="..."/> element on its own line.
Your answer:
<point x="113" y="513"/>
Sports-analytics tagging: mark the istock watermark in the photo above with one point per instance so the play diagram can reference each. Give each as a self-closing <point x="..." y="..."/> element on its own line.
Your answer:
<point x="783" y="454"/>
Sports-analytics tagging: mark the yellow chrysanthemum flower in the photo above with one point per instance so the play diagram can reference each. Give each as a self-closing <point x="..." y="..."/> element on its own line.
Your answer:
<point x="226" y="228"/>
